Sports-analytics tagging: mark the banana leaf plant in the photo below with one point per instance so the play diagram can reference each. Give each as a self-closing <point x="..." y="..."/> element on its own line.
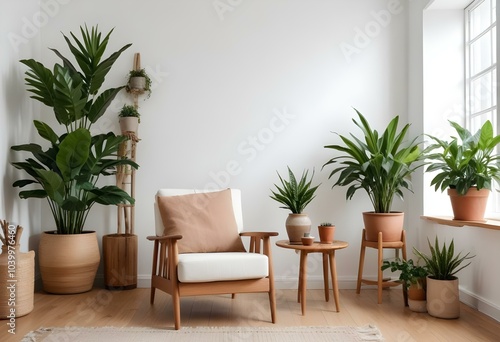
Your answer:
<point x="67" y="171"/>
<point x="380" y="165"/>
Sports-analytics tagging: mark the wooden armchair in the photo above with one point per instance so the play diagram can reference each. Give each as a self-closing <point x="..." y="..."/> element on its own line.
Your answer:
<point x="187" y="263"/>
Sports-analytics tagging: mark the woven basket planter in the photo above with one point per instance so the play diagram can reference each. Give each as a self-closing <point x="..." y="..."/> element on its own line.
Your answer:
<point x="17" y="282"/>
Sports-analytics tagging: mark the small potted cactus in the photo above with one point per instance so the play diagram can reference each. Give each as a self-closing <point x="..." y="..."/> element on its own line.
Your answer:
<point x="326" y="232"/>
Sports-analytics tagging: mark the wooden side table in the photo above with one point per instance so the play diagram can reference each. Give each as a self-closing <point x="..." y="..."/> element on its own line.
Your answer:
<point x="328" y="251"/>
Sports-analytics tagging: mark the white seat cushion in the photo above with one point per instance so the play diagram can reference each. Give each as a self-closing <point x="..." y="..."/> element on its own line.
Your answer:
<point x="205" y="267"/>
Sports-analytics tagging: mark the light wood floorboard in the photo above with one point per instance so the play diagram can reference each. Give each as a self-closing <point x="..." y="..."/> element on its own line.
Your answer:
<point x="101" y="307"/>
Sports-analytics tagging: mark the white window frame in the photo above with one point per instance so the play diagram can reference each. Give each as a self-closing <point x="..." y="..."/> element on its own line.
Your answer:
<point x="493" y="91"/>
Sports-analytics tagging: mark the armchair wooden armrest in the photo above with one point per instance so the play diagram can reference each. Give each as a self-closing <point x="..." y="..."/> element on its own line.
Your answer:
<point x="255" y="241"/>
<point x="164" y="238"/>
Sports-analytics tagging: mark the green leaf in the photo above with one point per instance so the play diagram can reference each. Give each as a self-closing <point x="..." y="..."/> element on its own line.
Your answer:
<point x="45" y="131"/>
<point x="73" y="153"/>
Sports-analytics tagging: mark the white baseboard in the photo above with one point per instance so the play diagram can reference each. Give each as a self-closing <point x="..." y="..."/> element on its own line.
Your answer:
<point x="480" y="303"/>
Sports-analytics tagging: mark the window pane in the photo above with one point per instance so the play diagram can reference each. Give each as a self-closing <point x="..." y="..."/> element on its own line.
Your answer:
<point x="494" y="44"/>
<point x="478" y="121"/>
<point x="480" y="19"/>
<point x="494" y="10"/>
<point x="481" y="53"/>
<point x="481" y="93"/>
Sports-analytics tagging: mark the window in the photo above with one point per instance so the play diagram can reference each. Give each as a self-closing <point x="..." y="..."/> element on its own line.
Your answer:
<point x="481" y="68"/>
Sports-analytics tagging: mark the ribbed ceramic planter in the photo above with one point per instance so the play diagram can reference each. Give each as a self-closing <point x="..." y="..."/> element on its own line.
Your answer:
<point x="68" y="262"/>
<point x="296" y="225"/>
<point x="471" y="206"/>
<point x="390" y="224"/>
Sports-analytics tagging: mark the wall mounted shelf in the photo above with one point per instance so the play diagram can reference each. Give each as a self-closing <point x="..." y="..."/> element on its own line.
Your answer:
<point x="449" y="221"/>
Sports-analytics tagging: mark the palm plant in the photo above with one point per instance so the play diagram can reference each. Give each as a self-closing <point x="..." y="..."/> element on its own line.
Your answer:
<point x="295" y="196"/>
<point x="473" y="162"/>
<point x="442" y="263"/>
<point x="67" y="172"/>
<point x="380" y="165"/>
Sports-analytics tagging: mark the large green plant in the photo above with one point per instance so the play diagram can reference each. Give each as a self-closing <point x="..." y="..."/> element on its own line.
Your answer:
<point x="67" y="172"/>
<point x="442" y="263"/>
<point x="380" y="165"/>
<point x="472" y="162"/>
<point x="295" y="196"/>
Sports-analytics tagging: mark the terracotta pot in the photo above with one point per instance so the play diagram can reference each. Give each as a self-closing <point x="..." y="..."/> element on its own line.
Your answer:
<point x="471" y="206"/>
<point x="68" y="262"/>
<point x="443" y="298"/>
<point x="390" y="224"/>
<point x="326" y="234"/>
<point x="129" y="124"/>
<point x="296" y="225"/>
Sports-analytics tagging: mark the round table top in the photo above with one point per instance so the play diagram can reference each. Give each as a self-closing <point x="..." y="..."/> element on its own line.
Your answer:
<point x="315" y="247"/>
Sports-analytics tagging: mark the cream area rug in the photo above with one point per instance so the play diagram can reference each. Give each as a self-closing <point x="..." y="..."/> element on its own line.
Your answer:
<point x="207" y="334"/>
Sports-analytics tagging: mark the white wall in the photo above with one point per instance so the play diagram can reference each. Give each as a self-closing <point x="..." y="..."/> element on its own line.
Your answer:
<point x="221" y="78"/>
<point x="20" y="38"/>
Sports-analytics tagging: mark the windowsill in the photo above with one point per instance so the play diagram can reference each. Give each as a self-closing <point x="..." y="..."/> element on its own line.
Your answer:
<point x="449" y="221"/>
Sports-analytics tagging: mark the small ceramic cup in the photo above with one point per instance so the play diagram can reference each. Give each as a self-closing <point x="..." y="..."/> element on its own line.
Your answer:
<point x="307" y="240"/>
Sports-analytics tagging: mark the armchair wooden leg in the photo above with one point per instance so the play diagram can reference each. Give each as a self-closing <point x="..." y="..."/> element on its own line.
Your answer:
<point x="152" y="296"/>
<point x="177" y="310"/>
<point x="272" y="304"/>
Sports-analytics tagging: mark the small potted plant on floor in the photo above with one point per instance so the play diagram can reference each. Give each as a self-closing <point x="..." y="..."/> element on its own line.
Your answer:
<point x="326" y="231"/>
<point x="295" y="196"/>
<point x="442" y="284"/>
<point x="413" y="278"/>
<point x="467" y="169"/>
<point x="139" y="82"/>
<point x="381" y="165"/>
<point x="129" y="119"/>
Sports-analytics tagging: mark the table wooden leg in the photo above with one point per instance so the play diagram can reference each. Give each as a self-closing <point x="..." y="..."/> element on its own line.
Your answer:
<point x="299" y="287"/>
<point x="325" y="277"/>
<point x="333" y="270"/>
<point x="303" y="280"/>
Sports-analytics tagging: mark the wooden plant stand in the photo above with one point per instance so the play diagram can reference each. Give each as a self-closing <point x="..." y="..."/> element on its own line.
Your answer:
<point x="120" y="249"/>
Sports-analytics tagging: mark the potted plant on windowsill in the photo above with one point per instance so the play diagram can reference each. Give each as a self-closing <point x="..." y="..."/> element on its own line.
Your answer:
<point x="139" y="82"/>
<point x="380" y="165"/>
<point x="467" y="169"/>
<point x="66" y="173"/>
<point x="413" y="278"/>
<point x="295" y="196"/>
<point x="442" y="285"/>
<point x="129" y="119"/>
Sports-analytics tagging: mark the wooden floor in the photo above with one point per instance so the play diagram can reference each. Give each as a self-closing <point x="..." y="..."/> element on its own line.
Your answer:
<point x="131" y="308"/>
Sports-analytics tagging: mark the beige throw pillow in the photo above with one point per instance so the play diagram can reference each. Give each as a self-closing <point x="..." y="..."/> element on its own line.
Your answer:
<point x="205" y="221"/>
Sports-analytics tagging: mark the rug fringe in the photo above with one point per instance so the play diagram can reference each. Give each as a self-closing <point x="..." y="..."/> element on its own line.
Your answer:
<point x="369" y="333"/>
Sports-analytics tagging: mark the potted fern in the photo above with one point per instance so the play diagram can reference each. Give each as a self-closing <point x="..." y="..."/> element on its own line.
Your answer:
<point x="139" y="82"/>
<point x="381" y="165"/>
<point x="442" y="284"/>
<point x="466" y="168"/>
<point x="129" y="119"/>
<point x="66" y="172"/>
<point x="295" y="196"/>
